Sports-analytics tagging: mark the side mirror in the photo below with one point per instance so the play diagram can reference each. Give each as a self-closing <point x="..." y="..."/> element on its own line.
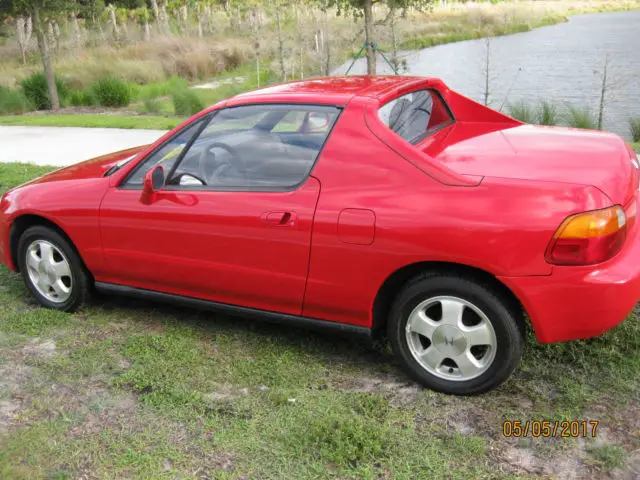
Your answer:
<point x="153" y="182"/>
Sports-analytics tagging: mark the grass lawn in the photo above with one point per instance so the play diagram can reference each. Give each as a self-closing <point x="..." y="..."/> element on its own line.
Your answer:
<point x="92" y="120"/>
<point x="636" y="146"/>
<point x="131" y="389"/>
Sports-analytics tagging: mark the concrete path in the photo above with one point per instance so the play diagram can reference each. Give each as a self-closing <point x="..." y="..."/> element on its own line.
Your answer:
<point x="62" y="146"/>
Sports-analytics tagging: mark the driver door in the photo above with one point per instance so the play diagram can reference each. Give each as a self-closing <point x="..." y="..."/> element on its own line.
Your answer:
<point x="232" y="223"/>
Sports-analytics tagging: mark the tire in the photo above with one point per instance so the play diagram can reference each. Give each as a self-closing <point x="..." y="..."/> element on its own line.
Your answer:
<point x="439" y="320"/>
<point x="55" y="275"/>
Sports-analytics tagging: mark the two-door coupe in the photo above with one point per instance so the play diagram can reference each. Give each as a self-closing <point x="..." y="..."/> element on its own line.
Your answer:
<point x="377" y="205"/>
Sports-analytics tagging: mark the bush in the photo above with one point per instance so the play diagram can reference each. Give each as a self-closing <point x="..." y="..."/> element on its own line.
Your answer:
<point x="79" y="98"/>
<point x="581" y="118"/>
<point x="523" y="112"/>
<point x="36" y="91"/>
<point x="13" y="101"/>
<point x="186" y="102"/>
<point x="111" y="92"/>
<point x="547" y="113"/>
<point x="634" y="126"/>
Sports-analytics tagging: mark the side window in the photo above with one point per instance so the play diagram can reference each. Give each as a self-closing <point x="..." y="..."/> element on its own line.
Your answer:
<point x="256" y="147"/>
<point x="415" y="115"/>
<point x="165" y="156"/>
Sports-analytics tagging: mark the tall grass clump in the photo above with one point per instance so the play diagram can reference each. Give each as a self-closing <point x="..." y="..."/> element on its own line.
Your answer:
<point x="186" y="102"/>
<point x="634" y="127"/>
<point x="36" y="91"/>
<point x="580" y="118"/>
<point x="547" y="114"/>
<point x="13" y="101"/>
<point x="112" y="92"/>
<point x="79" y="98"/>
<point x="523" y="112"/>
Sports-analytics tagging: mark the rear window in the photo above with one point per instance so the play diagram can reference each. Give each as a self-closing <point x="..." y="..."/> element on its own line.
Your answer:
<point x="415" y="115"/>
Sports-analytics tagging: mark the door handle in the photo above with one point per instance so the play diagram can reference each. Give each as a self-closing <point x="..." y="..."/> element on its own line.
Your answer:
<point x="280" y="219"/>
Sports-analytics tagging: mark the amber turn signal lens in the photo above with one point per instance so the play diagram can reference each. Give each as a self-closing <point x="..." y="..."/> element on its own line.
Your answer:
<point x="589" y="237"/>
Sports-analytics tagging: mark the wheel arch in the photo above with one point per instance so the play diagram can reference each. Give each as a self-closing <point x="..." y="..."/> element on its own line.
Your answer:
<point x="22" y="222"/>
<point x="392" y="286"/>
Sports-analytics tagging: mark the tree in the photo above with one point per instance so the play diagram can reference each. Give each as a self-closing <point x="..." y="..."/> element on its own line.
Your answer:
<point x="41" y="12"/>
<point x="364" y="9"/>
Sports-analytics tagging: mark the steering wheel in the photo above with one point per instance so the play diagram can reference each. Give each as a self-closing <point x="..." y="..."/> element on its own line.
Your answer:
<point x="210" y="170"/>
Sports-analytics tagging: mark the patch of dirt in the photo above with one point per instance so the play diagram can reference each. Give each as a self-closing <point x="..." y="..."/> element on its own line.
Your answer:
<point x="35" y="348"/>
<point x="401" y="391"/>
<point x="13" y="377"/>
<point x="226" y="393"/>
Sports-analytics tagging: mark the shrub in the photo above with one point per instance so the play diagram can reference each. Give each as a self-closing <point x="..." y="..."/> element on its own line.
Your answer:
<point x="36" y="91"/>
<point x="523" y="112"/>
<point x="151" y="105"/>
<point x="634" y="126"/>
<point x="185" y="101"/>
<point x="547" y="114"/>
<point x="580" y="118"/>
<point x="13" y="101"/>
<point x="79" y="98"/>
<point x="111" y="92"/>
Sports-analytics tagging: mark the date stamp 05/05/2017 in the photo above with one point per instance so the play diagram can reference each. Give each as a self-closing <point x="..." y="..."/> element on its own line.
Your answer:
<point x="550" y="428"/>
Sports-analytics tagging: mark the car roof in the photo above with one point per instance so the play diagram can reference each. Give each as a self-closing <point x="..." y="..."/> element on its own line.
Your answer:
<point x="334" y="90"/>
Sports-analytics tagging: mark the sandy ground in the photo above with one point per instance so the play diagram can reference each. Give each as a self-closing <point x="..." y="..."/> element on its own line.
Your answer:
<point x="62" y="146"/>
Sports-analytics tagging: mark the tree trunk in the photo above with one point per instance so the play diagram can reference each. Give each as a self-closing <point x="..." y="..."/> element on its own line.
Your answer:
<point x="368" y="37"/>
<point x="156" y="12"/>
<point x="46" y="60"/>
<point x="280" y="43"/>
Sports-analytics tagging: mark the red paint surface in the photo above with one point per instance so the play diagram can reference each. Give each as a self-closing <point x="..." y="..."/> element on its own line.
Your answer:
<point x="486" y="192"/>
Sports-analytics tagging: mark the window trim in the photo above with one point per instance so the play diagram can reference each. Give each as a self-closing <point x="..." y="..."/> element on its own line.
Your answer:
<point x="257" y="189"/>
<point x="205" y="119"/>
<point x="419" y="138"/>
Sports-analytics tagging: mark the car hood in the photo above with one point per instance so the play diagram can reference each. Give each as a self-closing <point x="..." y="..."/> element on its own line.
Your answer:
<point x="96" y="167"/>
<point x="529" y="152"/>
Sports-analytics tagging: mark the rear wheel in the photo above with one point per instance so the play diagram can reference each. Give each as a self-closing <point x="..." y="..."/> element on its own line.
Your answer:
<point x="51" y="269"/>
<point x="454" y="335"/>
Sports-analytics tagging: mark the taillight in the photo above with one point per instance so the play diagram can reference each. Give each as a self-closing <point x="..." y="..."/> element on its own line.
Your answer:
<point x="589" y="237"/>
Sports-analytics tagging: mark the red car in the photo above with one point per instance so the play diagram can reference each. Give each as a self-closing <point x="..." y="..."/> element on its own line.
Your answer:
<point x="376" y="205"/>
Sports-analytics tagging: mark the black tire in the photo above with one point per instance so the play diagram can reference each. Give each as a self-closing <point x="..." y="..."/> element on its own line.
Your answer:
<point x="80" y="279"/>
<point x="506" y="320"/>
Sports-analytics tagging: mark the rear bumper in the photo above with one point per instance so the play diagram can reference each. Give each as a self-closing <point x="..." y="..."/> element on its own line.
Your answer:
<point x="582" y="302"/>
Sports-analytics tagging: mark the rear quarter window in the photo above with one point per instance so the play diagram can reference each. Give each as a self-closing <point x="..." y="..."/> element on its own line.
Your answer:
<point x="416" y="115"/>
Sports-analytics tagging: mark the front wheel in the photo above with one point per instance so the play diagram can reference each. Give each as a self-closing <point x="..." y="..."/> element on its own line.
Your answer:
<point x="454" y="335"/>
<point x="51" y="269"/>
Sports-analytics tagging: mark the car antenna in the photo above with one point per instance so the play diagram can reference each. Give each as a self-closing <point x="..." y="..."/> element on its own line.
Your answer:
<point x="510" y="87"/>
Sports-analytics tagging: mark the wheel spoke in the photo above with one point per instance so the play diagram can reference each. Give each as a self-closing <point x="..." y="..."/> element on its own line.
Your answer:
<point x="452" y="312"/>
<point x="46" y="253"/>
<point x="433" y="357"/>
<point x="61" y="269"/>
<point x="32" y="260"/>
<point x="420" y="323"/>
<point x="479" y="334"/>
<point x="43" y="283"/>
<point x="467" y="364"/>
<point x="61" y="289"/>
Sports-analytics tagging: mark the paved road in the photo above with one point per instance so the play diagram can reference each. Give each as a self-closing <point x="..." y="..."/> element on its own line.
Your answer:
<point x="62" y="146"/>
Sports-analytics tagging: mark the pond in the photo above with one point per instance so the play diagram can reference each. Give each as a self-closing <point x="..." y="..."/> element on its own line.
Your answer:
<point x="561" y="63"/>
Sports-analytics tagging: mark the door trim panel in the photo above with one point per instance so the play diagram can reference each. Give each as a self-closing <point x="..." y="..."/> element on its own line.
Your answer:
<point x="274" y="317"/>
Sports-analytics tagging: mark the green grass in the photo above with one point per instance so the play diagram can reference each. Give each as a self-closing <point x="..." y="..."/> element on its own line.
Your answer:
<point x="133" y="389"/>
<point x="636" y="146"/>
<point x="451" y="32"/>
<point x="93" y="120"/>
